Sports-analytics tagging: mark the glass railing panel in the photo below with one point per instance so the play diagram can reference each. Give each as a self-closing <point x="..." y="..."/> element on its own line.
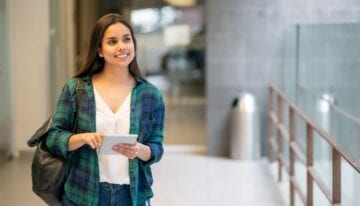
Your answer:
<point x="319" y="197"/>
<point x="328" y="62"/>
<point x="300" y="175"/>
<point x="321" y="76"/>
<point x="298" y="200"/>
<point x="324" y="59"/>
<point x="322" y="162"/>
<point x="285" y="112"/>
<point x="290" y="61"/>
<point x="286" y="152"/>
<point x="286" y="125"/>
<point x="300" y="133"/>
<point x="350" y="185"/>
<point x="343" y="126"/>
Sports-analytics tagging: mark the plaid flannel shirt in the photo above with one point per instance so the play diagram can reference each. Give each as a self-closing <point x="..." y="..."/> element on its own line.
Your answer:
<point x="146" y="120"/>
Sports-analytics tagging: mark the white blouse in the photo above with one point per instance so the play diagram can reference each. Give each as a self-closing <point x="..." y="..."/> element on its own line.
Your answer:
<point x="113" y="168"/>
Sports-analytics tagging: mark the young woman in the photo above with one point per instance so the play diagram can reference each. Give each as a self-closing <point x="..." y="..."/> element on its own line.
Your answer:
<point x="117" y="100"/>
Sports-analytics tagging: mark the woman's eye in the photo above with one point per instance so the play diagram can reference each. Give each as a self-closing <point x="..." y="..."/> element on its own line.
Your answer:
<point x="112" y="42"/>
<point x="127" y="39"/>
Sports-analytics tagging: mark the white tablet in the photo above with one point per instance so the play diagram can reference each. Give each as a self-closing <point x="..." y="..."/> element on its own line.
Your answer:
<point x="110" y="140"/>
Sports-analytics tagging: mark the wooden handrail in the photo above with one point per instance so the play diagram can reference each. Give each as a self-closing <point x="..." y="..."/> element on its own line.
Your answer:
<point x="276" y="150"/>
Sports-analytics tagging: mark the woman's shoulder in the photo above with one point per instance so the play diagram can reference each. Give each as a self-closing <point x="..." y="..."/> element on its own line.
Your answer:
<point x="71" y="84"/>
<point x="147" y="87"/>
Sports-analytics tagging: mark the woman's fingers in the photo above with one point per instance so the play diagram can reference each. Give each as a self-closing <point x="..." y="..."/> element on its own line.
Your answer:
<point x="127" y="150"/>
<point x="97" y="140"/>
<point x="90" y="143"/>
<point x="94" y="140"/>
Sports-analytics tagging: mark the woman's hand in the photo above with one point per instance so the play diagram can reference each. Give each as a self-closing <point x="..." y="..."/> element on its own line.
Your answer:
<point x="132" y="151"/>
<point x="94" y="140"/>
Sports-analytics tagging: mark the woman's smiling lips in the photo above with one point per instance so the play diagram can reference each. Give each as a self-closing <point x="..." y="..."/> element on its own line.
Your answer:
<point x="122" y="55"/>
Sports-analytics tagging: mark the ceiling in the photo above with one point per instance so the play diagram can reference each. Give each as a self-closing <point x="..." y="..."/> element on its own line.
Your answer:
<point x="138" y="4"/>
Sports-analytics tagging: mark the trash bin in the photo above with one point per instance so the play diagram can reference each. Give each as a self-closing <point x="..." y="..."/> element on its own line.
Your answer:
<point x="323" y="119"/>
<point x="323" y="111"/>
<point x="245" y="125"/>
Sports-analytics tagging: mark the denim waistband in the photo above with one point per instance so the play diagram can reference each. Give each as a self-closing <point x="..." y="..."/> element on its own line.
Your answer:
<point x="111" y="185"/>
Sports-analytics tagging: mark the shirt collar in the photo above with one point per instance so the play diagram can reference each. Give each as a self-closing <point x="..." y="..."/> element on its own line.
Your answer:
<point x="138" y="80"/>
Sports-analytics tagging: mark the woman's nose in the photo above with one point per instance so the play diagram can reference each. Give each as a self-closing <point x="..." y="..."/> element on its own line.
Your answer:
<point x="120" y="46"/>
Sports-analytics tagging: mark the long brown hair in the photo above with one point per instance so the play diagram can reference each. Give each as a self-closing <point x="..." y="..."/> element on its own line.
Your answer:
<point x="95" y="64"/>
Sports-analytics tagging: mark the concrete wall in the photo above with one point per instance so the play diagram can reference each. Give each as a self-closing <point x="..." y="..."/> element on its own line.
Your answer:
<point x="29" y="55"/>
<point x="245" y="41"/>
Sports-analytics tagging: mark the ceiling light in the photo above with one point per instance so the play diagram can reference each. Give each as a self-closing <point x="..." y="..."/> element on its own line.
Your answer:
<point x="181" y="2"/>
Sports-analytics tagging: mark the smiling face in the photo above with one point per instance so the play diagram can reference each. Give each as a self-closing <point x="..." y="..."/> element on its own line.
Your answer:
<point x="117" y="46"/>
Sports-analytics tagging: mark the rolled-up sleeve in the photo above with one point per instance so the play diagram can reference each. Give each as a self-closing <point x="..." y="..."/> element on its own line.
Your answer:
<point x="62" y="124"/>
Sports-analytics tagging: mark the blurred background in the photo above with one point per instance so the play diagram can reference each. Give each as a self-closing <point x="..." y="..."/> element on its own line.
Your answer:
<point x="53" y="38"/>
<point x="211" y="59"/>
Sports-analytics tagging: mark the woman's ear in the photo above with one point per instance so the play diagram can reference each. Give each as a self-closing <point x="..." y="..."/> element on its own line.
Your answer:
<point x="100" y="53"/>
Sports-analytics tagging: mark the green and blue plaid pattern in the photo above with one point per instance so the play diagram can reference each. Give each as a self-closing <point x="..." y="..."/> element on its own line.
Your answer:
<point x="146" y="120"/>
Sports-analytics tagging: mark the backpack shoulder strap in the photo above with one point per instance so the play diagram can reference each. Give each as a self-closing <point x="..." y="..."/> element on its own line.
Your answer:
<point x="80" y="90"/>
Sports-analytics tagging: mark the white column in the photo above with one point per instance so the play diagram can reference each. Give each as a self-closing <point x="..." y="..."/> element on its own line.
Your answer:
<point x="29" y="73"/>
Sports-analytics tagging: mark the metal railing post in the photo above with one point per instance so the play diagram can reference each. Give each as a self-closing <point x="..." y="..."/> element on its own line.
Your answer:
<point x="280" y="142"/>
<point x="336" y="177"/>
<point x="270" y="125"/>
<point x="309" y="164"/>
<point x="292" y="154"/>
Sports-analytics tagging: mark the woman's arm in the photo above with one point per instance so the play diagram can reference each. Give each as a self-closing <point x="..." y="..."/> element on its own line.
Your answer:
<point x="152" y="150"/>
<point x="61" y="139"/>
<point x="156" y="138"/>
<point x="63" y="120"/>
<point x="76" y="141"/>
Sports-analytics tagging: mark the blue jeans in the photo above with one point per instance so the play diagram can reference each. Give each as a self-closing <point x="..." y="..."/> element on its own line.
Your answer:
<point x="111" y="195"/>
<point x="116" y="195"/>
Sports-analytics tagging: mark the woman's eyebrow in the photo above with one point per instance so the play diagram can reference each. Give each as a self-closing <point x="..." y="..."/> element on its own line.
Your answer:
<point x="113" y="37"/>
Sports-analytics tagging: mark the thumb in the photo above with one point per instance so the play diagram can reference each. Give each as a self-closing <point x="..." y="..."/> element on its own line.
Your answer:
<point x="101" y="134"/>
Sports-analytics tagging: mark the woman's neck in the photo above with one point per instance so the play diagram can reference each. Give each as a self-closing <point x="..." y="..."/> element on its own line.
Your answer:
<point x="116" y="75"/>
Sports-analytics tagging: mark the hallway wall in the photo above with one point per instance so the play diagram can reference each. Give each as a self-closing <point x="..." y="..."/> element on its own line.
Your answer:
<point x="245" y="52"/>
<point x="5" y="115"/>
<point x="29" y="70"/>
